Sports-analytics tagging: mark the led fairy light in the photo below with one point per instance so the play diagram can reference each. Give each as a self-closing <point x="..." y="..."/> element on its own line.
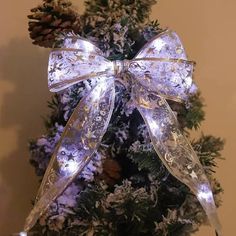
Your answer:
<point x="154" y="126"/>
<point x="87" y="46"/>
<point x="159" y="44"/>
<point x="20" y="234"/>
<point x="205" y="193"/>
<point x="72" y="166"/>
<point x="23" y="234"/>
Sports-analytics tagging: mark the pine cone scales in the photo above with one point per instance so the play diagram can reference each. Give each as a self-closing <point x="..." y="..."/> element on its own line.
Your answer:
<point x="111" y="172"/>
<point x="50" y="19"/>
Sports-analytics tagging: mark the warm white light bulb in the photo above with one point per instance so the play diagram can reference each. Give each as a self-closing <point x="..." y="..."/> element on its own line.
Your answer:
<point x="22" y="234"/>
<point x="159" y="44"/>
<point x="88" y="47"/>
<point x="154" y="126"/>
<point x="72" y="166"/>
<point x="188" y="81"/>
<point x="205" y="193"/>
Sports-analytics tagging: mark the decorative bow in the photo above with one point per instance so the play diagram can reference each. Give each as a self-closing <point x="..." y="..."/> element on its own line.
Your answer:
<point x="159" y="71"/>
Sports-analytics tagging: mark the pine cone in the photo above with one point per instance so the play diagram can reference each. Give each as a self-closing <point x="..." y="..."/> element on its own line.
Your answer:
<point x="50" y="19"/>
<point x="111" y="171"/>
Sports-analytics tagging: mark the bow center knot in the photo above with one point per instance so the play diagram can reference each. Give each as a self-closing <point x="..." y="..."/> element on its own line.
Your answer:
<point x="120" y="66"/>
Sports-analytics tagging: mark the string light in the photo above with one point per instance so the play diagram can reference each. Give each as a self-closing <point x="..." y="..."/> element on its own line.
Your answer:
<point x="72" y="166"/>
<point x="159" y="44"/>
<point x="205" y="193"/>
<point x="20" y="234"/>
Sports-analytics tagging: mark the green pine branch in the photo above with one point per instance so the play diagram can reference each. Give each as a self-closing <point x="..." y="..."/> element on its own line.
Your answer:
<point x="209" y="150"/>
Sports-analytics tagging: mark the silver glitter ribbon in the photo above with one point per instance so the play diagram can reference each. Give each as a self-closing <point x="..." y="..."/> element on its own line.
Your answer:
<point x="159" y="71"/>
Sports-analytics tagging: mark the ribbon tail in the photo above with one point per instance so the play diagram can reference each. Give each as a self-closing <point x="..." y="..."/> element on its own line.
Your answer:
<point x="175" y="151"/>
<point x="80" y="140"/>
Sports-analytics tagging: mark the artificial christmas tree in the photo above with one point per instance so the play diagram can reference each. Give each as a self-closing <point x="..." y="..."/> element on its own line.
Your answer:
<point x="122" y="185"/>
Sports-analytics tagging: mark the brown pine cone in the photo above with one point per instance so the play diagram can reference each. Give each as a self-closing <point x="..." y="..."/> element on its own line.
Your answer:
<point x="111" y="171"/>
<point x="50" y="19"/>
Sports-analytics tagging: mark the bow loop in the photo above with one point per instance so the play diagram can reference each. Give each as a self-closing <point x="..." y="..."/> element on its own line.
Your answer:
<point x="171" y="79"/>
<point x="162" y="65"/>
<point x="165" y="45"/>
<point x="76" y="61"/>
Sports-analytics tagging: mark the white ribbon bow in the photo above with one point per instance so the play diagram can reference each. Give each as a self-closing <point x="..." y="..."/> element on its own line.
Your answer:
<point x="159" y="71"/>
